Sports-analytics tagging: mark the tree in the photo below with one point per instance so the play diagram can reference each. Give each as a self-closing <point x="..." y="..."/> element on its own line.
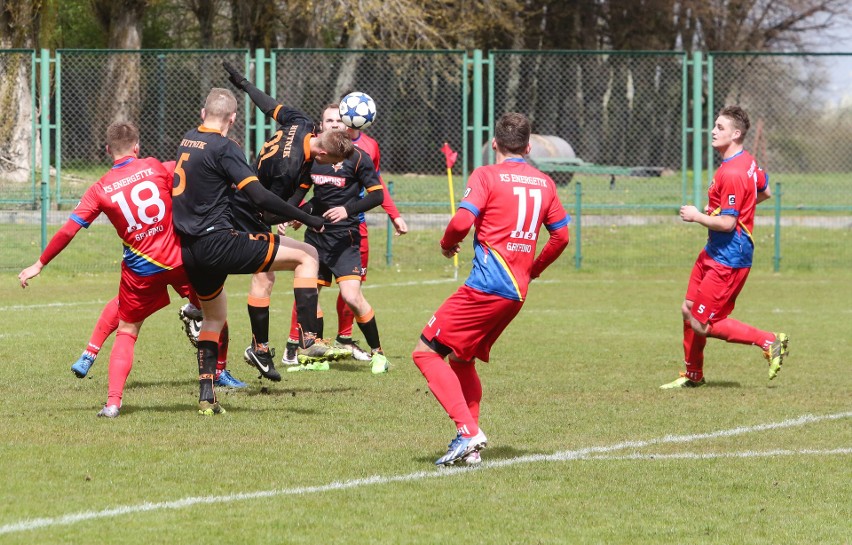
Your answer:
<point x="117" y="91"/>
<point x="19" y="25"/>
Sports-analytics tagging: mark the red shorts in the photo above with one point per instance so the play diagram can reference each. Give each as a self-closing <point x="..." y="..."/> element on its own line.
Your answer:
<point x="469" y="322"/>
<point x="142" y="296"/>
<point x="365" y="251"/>
<point x="713" y="289"/>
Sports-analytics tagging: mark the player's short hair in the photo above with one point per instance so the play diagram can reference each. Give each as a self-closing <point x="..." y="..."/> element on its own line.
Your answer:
<point x="329" y="106"/>
<point x="739" y="118"/>
<point x="121" y="136"/>
<point x="337" y="143"/>
<point x="220" y="103"/>
<point x="512" y="132"/>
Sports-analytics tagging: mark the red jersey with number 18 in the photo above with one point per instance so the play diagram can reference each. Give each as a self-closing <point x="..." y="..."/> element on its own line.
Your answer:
<point x="136" y="196"/>
<point x="510" y="200"/>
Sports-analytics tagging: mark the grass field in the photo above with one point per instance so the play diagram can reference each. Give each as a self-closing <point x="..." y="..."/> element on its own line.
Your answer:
<point x="584" y="447"/>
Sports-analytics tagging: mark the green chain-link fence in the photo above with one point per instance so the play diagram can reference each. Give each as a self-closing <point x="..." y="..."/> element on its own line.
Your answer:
<point x="162" y="91"/>
<point x="801" y="135"/>
<point x="624" y="117"/>
<point x="623" y="134"/>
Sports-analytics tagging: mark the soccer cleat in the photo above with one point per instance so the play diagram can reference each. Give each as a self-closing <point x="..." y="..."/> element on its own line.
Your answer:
<point x="461" y="447"/>
<point x="81" y="367"/>
<point x="318" y="350"/>
<point x="473" y="458"/>
<point x="191" y="317"/>
<point x="351" y="348"/>
<point x="205" y="408"/>
<point x="262" y="361"/>
<point x="776" y="354"/>
<point x="320" y="365"/>
<point x="109" y="411"/>
<point x="683" y="382"/>
<point x="227" y="380"/>
<point x="380" y="363"/>
<point x="290" y="351"/>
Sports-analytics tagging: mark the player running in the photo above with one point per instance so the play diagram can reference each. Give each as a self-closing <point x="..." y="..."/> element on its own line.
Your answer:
<point x="507" y="202"/>
<point x="722" y="267"/>
<point x="136" y="197"/>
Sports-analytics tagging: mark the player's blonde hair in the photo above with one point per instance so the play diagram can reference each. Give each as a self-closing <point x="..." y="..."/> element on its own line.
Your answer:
<point x="337" y="143"/>
<point x="512" y="133"/>
<point x="122" y="136"/>
<point x="220" y="103"/>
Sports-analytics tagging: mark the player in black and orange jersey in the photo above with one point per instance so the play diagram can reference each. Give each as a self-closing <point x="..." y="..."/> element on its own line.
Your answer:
<point x="210" y="168"/>
<point x="283" y="164"/>
<point x="337" y="193"/>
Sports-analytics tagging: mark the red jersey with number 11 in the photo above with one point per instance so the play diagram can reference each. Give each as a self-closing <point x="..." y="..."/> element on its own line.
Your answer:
<point x="511" y="201"/>
<point x="136" y="196"/>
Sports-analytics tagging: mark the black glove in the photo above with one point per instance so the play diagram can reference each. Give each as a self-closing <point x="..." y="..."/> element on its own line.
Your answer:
<point x="234" y="76"/>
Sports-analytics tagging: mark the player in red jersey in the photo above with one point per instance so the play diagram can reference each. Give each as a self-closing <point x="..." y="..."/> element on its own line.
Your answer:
<point x="507" y="202"/>
<point x="722" y="267"/>
<point x="136" y="197"/>
<point x="345" y="316"/>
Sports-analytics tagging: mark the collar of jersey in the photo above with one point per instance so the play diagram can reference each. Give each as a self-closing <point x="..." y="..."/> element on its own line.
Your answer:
<point x="202" y="128"/>
<point x="514" y="160"/>
<point x="126" y="160"/>
<point x="307" y="145"/>
<point x="732" y="156"/>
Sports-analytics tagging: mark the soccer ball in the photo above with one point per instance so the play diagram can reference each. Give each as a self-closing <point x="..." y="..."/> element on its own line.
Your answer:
<point x="357" y="110"/>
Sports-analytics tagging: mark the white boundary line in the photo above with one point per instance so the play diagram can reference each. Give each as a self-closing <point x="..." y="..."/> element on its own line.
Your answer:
<point x="590" y="453"/>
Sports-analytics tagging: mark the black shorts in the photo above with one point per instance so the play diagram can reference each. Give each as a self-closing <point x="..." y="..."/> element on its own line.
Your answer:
<point x="339" y="254"/>
<point x="209" y="260"/>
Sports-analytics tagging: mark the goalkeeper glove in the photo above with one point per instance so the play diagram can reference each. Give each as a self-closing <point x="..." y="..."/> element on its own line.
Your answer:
<point x="234" y="76"/>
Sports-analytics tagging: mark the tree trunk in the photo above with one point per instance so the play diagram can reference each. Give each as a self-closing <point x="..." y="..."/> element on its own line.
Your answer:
<point x="118" y="91"/>
<point x="18" y="26"/>
<point x="16" y="132"/>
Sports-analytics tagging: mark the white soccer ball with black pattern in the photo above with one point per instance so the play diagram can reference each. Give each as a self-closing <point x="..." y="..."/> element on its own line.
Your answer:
<point x="357" y="110"/>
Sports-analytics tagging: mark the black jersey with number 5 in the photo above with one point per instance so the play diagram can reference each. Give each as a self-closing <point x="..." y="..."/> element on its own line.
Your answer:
<point x="210" y="168"/>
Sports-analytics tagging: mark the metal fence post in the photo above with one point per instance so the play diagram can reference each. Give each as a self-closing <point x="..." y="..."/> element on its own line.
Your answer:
<point x="477" y="108"/>
<point x="44" y="105"/>
<point x="260" y="83"/>
<point x="697" y="128"/>
<point x="34" y="128"/>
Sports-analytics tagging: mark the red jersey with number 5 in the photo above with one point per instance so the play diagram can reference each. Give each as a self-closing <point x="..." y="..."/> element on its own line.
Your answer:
<point x="136" y="196"/>
<point x="511" y="201"/>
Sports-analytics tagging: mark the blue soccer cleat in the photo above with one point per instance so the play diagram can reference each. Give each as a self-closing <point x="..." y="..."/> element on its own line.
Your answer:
<point x="461" y="447"/>
<point x="81" y="367"/>
<point x="227" y="380"/>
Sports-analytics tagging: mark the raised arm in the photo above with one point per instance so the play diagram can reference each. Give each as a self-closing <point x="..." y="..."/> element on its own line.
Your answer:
<point x="266" y="103"/>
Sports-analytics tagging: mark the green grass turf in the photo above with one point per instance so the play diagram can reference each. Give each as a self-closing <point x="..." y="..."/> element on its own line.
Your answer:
<point x="670" y="244"/>
<point x="580" y="367"/>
